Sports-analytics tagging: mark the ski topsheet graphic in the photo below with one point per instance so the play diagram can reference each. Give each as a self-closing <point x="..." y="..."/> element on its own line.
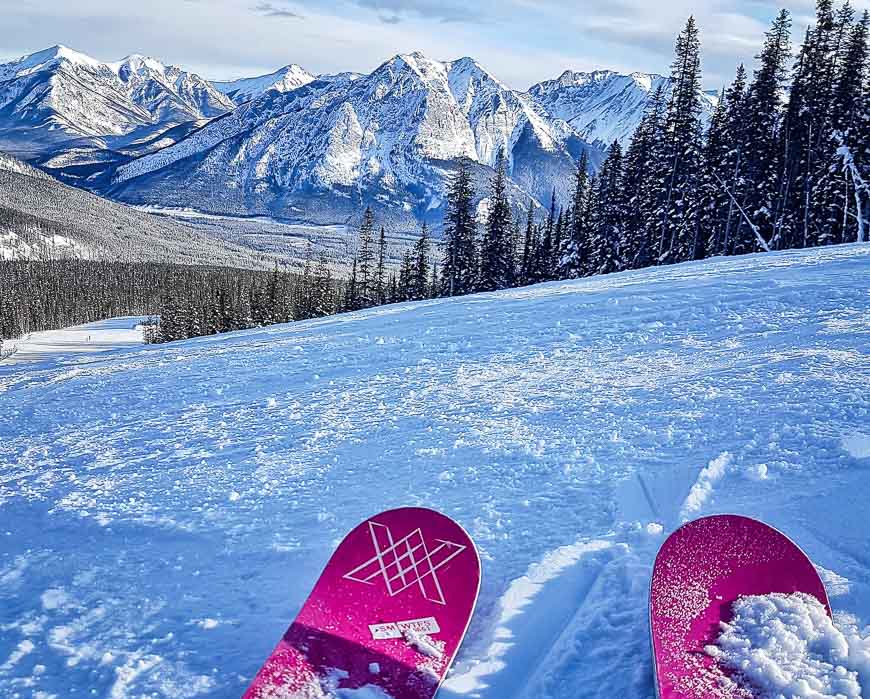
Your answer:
<point x="387" y="614"/>
<point x="701" y="569"/>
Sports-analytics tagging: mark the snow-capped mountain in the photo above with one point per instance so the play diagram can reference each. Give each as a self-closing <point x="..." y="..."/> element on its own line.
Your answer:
<point x="59" y="99"/>
<point x="603" y="106"/>
<point x="306" y="148"/>
<point x="386" y="139"/>
<point x="244" y="90"/>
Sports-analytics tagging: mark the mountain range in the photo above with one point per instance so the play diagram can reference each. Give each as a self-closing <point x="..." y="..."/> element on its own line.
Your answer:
<point x="307" y="148"/>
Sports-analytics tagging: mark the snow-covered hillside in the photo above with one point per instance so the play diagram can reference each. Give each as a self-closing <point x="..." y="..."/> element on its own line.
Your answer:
<point x="166" y="510"/>
<point x="41" y="218"/>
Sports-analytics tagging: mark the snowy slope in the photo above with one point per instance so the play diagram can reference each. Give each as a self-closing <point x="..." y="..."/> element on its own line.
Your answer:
<point x="50" y="345"/>
<point x="11" y="164"/>
<point x="166" y="510"/>
<point x="283" y="80"/>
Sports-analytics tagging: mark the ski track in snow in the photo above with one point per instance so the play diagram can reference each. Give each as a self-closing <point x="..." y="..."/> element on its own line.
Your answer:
<point x="165" y="510"/>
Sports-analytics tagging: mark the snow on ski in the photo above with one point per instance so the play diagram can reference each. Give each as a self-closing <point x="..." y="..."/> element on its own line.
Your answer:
<point x="700" y="572"/>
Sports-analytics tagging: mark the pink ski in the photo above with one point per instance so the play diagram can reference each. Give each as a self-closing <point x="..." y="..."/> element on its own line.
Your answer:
<point x="701" y="569"/>
<point x="387" y="614"/>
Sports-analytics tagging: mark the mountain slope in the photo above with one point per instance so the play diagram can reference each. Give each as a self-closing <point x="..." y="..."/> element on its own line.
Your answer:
<point x="282" y="80"/>
<point x="604" y="106"/>
<point x="59" y="100"/>
<point x="41" y="218"/>
<point x="172" y="506"/>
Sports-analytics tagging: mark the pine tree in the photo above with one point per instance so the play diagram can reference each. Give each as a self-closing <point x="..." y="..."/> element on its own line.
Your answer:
<point x="754" y="182"/>
<point x="559" y="236"/>
<point x="434" y="282"/>
<point x="323" y="298"/>
<point x="351" y="292"/>
<point x="496" y="256"/>
<point x="366" y="292"/>
<point x="418" y="282"/>
<point x="380" y="280"/>
<point x="542" y="256"/>
<point x="716" y="177"/>
<point x="680" y="158"/>
<point x="841" y="191"/>
<point x="642" y="183"/>
<point x="404" y="287"/>
<point x="806" y="132"/>
<point x="574" y="253"/>
<point x="526" y="273"/>
<point x="609" y="219"/>
<point x="459" y="269"/>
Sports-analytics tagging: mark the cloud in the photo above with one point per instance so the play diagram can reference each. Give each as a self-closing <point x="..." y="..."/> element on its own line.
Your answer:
<point x="519" y="41"/>
<point x="267" y="9"/>
<point x="395" y="11"/>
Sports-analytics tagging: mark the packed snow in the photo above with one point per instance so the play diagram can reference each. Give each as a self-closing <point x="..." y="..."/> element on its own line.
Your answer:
<point x="786" y="646"/>
<point x="165" y="510"/>
<point x="70" y="343"/>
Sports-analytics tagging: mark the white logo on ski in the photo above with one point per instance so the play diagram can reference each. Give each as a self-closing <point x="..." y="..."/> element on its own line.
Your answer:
<point x="427" y="625"/>
<point x="406" y="562"/>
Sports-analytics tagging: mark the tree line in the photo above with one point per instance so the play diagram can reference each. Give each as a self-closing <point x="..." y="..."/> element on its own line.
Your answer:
<point x="184" y="301"/>
<point x="770" y="172"/>
<point x="784" y="163"/>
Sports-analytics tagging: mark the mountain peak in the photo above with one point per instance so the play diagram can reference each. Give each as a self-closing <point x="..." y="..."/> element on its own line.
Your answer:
<point x="49" y="57"/>
<point x="286" y="79"/>
<point x="137" y="63"/>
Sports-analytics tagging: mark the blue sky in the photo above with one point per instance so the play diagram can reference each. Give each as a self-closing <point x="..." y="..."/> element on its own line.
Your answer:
<point x="520" y="41"/>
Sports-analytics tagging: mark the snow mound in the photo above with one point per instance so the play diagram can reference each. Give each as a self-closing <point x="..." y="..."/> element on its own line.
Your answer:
<point x="786" y="646"/>
<point x="858" y="445"/>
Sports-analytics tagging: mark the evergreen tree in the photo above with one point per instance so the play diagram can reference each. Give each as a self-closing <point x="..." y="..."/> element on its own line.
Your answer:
<point x="405" y="290"/>
<point x="418" y="282"/>
<point x="680" y="157"/>
<point x="366" y="268"/>
<point x="609" y="218"/>
<point x="755" y="184"/>
<point x="574" y="252"/>
<point x="841" y="191"/>
<point x="527" y="262"/>
<point x="459" y="269"/>
<point x="434" y="283"/>
<point x="380" y="280"/>
<point x="559" y="236"/>
<point x="496" y="255"/>
<point x="642" y="183"/>
<point x="323" y="296"/>
<point x="807" y="132"/>
<point x="351" y="291"/>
